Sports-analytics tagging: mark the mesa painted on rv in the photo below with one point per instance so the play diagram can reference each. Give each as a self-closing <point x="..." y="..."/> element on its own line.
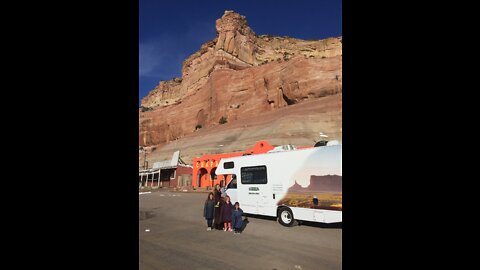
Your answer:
<point x="303" y="184"/>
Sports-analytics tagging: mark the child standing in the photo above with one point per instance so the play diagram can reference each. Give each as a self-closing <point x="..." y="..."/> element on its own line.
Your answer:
<point x="208" y="210"/>
<point x="226" y="214"/>
<point x="237" y="218"/>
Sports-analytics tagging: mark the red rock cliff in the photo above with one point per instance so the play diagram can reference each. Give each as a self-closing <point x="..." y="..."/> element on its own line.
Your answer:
<point x="239" y="75"/>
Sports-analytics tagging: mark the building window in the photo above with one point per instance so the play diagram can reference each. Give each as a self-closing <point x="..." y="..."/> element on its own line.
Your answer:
<point x="254" y="175"/>
<point x="167" y="174"/>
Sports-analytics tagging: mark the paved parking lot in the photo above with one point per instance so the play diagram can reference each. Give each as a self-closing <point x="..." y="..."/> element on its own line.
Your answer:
<point x="177" y="239"/>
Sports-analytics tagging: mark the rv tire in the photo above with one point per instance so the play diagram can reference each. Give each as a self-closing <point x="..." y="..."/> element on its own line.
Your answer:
<point x="285" y="217"/>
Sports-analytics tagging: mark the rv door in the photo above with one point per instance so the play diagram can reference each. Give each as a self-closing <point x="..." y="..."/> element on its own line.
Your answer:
<point x="232" y="190"/>
<point x="254" y="184"/>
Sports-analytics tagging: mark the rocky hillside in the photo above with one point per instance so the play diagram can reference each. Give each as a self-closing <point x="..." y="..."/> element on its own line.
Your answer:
<point x="242" y="76"/>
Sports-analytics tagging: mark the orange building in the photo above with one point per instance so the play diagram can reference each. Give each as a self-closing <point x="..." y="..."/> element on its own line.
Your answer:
<point x="204" y="167"/>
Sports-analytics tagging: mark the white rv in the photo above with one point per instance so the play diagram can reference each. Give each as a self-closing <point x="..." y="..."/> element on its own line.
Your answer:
<point x="303" y="184"/>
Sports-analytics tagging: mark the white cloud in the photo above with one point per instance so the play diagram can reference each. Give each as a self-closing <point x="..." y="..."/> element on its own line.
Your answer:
<point x="149" y="58"/>
<point x="162" y="57"/>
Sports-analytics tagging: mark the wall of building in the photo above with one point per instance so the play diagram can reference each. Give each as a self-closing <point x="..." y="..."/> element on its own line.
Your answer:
<point x="181" y="170"/>
<point x="203" y="166"/>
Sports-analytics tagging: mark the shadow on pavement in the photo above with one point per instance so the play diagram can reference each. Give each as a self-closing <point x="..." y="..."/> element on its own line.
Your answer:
<point x="337" y="225"/>
<point x="244" y="224"/>
<point x="260" y="217"/>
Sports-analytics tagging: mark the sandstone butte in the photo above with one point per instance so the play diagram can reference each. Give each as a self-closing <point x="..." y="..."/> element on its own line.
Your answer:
<point x="280" y="89"/>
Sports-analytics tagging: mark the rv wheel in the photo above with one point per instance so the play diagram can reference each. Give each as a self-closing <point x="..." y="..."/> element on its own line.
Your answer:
<point x="285" y="217"/>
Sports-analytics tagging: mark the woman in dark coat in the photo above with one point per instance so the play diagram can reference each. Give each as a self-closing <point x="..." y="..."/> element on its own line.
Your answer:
<point x="208" y="210"/>
<point x="226" y="214"/>
<point x="237" y="218"/>
<point x="218" y="201"/>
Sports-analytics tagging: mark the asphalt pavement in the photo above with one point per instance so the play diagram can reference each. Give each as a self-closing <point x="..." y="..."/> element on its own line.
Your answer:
<point x="173" y="235"/>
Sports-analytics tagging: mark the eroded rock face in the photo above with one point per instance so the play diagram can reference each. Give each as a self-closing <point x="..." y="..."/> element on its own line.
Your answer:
<point x="239" y="75"/>
<point x="166" y="92"/>
<point x="236" y="39"/>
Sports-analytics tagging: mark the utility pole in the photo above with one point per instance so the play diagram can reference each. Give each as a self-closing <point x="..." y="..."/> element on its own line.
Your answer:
<point x="145" y="159"/>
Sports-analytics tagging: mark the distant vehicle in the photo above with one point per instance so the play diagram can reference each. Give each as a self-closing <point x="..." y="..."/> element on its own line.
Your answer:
<point x="303" y="184"/>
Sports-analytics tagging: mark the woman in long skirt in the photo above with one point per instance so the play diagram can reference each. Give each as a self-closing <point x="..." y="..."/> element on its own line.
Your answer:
<point x="218" y="202"/>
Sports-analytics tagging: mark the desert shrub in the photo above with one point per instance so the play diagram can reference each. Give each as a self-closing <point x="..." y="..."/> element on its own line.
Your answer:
<point x="222" y="120"/>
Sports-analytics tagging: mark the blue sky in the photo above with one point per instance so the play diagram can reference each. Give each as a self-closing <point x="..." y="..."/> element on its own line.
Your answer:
<point x="170" y="31"/>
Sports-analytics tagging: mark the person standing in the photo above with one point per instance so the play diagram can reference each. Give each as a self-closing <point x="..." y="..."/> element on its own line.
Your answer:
<point x="218" y="201"/>
<point x="208" y="210"/>
<point x="315" y="201"/>
<point x="222" y="188"/>
<point x="226" y="214"/>
<point x="237" y="221"/>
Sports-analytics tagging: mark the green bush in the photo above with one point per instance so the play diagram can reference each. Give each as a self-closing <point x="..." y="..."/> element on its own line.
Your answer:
<point x="222" y="120"/>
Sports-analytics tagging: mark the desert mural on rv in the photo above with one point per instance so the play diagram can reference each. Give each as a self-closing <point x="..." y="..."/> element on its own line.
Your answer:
<point x="318" y="183"/>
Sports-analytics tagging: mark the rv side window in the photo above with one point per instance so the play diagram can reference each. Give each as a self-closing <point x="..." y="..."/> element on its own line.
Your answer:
<point x="228" y="165"/>
<point x="254" y="175"/>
